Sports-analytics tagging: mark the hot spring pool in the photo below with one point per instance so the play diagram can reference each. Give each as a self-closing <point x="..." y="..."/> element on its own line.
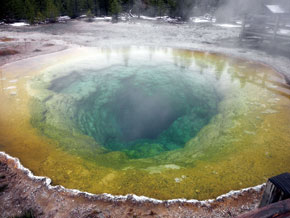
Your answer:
<point x="159" y="122"/>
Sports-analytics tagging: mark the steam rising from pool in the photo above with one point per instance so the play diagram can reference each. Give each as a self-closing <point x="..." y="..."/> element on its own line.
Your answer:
<point x="140" y="109"/>
<point x="163" y="123"/>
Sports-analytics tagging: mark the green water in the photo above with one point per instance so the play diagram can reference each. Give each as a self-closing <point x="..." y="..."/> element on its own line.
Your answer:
<point x="142" y="110"/>
<point x="163" y="123"/>
<point x="139" y="109"/>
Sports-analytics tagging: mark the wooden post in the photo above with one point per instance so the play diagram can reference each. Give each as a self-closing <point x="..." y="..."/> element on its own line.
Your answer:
<point x="277" y="189"/>
<point x="279" y="209"/>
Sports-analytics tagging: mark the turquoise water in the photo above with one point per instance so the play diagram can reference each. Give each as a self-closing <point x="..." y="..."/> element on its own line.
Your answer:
<point x="142" y="110"/>
<point x="159" y="122"/>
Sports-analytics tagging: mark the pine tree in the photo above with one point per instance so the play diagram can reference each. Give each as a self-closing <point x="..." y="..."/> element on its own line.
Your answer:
<point x="39" y="17"/>
<point x="172" y="8"/>
<point x="40" y="5"/>
<point x="36" y="9"/>
<point x="96" y="7"/>
<point x="60" y="5"/>
<point x="161" y="7"/>
<point x="104" y="7"/>
<point x="90" y="15"/>
<point x="73" y="8"/>
<point x="51" y="11"/>
<point x="88" y="5"/>
<point x="115" y="9"/>
<point x="29" y="11"/>
<point x="17" y="11"/>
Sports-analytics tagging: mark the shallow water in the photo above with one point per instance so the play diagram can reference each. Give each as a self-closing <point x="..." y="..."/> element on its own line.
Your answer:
<point x="163" y="123"/>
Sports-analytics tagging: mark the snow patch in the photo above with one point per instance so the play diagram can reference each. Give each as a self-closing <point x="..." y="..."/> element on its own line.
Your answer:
<point x="160" y="18"/>
<point x="200" y="20"/>
<point x="228" y="25"/>
<point x="19" y="24"/>
<point x="148" y="18"/>
<point x="103" y="18"/>
<point x="63" y="18"/>
<point x="207" y="18"/>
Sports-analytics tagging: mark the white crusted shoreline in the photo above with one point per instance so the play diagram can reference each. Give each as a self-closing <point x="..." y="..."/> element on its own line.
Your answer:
<point x="103" y="34"/>
<point x="109" y="197"/>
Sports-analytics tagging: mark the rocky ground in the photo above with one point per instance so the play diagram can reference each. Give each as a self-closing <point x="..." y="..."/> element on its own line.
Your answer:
<point x="21" y="195"/>
<point x="35" y="40"/>
<point x="24" y="196"/>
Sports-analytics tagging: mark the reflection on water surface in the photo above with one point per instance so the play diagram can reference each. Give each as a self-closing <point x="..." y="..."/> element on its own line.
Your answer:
<point x="164" y="123"/>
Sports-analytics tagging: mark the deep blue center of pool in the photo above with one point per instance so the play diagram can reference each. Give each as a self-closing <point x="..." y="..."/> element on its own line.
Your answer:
<point x="141" y="110"/>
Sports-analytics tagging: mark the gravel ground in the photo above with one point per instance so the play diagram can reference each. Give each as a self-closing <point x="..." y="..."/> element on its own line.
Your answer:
<point x="39" y="39"/>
